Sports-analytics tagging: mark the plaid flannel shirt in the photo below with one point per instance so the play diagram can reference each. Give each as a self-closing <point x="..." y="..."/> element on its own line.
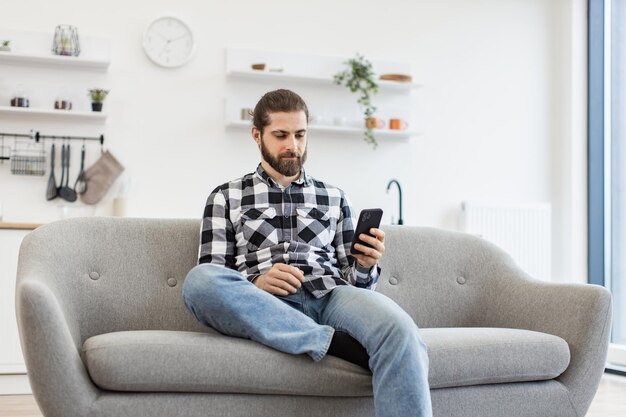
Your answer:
<point x="251" y="223"/>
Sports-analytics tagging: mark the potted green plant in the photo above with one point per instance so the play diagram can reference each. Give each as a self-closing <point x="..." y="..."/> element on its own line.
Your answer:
<point x="359" y="78"/>
<point x="5" y="45"/>
<point x="97" y="98"/>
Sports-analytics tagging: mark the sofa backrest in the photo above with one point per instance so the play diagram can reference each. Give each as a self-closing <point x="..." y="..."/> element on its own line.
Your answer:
<point x="443" y="278"/>
<point x="114" y="274"/>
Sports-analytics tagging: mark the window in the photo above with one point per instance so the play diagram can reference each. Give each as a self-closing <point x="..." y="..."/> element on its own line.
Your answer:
<point x="607" y="161"/>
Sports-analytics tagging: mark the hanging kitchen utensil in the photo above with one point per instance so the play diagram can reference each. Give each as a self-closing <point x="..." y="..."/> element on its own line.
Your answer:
<point x="80" y="186"/>
<point x="62" y="170"/>
<point x="52" y="192"/>
<point x="5" y="150"/>
<point x="28" y="158"/>
<point x="100" y="176"/>
<point x="66" y="192"/>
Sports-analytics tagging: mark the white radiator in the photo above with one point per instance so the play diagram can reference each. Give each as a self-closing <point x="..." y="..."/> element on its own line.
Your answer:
<point x="523" y="231"/>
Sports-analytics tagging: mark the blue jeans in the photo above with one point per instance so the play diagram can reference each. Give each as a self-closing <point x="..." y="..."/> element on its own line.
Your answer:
<point x="299" y="323"/>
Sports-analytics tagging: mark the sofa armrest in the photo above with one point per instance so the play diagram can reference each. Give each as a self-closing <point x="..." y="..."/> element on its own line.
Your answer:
<point x="578" y="313"/>
<point x="57" y="374"/>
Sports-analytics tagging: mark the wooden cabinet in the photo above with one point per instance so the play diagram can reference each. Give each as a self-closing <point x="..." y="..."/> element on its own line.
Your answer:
<point x="13" y="379"/>
<point x="11" y="360"/>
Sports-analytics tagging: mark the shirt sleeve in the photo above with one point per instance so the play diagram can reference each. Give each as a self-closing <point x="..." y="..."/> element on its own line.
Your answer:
<point x="217" y="236"/>
<point x="350" y="270"/>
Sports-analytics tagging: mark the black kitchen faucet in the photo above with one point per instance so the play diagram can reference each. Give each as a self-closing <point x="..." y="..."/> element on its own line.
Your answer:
<point x="400" y="221"/>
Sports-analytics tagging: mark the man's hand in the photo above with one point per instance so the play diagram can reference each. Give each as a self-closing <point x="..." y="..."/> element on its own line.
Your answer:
<point x="370" y="256"/>
<point x="281" y="279"/>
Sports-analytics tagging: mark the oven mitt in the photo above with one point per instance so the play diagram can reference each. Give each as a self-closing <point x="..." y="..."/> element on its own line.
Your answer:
<point x="100" y="176"/>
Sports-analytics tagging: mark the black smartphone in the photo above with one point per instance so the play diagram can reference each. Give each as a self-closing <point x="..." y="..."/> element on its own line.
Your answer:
<point x="367" y="219"/>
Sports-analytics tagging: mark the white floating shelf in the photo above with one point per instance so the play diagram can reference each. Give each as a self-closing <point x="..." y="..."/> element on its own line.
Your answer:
<point x="269" y="76"/>
<point x="54" y="60"/>
<point x="55" y="114"/>
<point x="352" y="131"/>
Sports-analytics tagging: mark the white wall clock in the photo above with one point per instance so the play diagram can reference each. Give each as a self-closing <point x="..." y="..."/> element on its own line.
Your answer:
<point x="169" y="42"/>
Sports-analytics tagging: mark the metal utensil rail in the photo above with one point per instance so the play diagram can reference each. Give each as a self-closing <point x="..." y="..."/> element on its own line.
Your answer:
<point x="36" y="137"/>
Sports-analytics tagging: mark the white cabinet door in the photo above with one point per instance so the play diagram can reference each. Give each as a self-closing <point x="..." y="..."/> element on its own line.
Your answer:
<point x="11" y="359"/>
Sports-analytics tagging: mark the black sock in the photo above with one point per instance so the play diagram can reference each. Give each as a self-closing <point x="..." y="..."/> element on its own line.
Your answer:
<point x="346" y="347"/>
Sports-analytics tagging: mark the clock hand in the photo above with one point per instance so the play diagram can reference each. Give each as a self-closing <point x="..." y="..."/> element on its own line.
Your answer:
<point x="179" y="37"/>
<point x="163" y="36"/>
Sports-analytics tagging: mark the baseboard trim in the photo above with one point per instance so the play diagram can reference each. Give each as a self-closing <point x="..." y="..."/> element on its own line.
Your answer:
<point x="616" y="356"/>
<point x="616" y="370"/>
<point x="14" y="384"/>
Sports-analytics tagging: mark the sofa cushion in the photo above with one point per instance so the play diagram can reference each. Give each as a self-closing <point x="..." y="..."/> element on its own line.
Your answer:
<point x="210" y="362"/>
<point x="156" y="360"/>
<point x="475" y="355"/>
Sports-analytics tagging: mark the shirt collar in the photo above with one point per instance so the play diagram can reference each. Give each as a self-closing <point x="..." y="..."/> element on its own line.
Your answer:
<point x="303" y="179"/>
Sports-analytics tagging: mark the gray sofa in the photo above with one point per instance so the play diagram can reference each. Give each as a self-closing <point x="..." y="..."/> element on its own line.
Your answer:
<point x="105" y="333"/>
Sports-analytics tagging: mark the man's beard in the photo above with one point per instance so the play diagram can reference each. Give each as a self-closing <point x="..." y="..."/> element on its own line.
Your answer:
<point x="286" y="167"/>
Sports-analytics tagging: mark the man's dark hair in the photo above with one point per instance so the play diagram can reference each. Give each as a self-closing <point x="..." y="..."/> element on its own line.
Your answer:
<point x="277" y="101"/>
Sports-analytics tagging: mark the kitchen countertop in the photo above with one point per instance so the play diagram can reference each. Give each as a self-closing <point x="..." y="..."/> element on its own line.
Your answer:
<point x="18" y="226"/>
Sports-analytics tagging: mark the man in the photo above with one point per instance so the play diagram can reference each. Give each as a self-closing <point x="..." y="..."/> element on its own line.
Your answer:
<point x="274" y="267"/>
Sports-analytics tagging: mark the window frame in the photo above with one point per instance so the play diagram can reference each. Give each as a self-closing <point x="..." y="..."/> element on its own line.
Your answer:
<point x="596" y="244"/>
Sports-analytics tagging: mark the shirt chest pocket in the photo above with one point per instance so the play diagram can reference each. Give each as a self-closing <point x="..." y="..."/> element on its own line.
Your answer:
<point x="316" y="226"/>
<point x="259" y="228"/>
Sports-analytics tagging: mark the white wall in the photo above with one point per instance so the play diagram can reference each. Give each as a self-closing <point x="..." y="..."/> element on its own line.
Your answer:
<point x="500" y="99"/>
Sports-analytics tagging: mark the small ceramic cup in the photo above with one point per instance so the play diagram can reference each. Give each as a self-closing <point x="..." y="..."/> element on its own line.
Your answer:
<point x="340" y="121"/>
<point x="374" y="122"/>
<point x="397" y="124"/>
